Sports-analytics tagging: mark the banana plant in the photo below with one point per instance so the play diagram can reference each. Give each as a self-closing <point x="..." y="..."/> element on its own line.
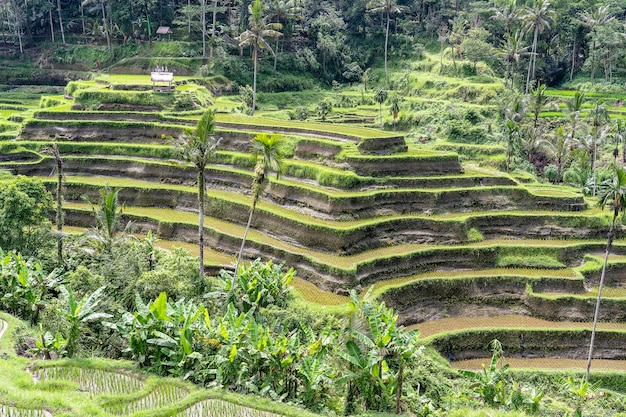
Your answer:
<point x="25" y="287"/>
<point x="490" y="383"/>
<point x="78" y="312"/>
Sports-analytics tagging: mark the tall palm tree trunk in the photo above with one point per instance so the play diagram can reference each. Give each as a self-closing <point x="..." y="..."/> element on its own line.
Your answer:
<point x="106" y="28"/>
<point x="203" y="20"/>
<point x="531" y="64"/>
<point x="599" y="298"/>
<point x="51" y="24"/>
<point x="59" y="211"/>
<point x="243" y="241"/>
<point x="386" y="44"/>
<point x="201" y="221"/>
<point x="256" y="65"/>
<point x="593" y="59"/>
<point x="61" y="21"/>
<point x="213" y="28"/>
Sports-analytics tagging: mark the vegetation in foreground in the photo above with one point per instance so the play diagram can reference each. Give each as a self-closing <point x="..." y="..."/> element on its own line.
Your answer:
<point x="251" y="338"/>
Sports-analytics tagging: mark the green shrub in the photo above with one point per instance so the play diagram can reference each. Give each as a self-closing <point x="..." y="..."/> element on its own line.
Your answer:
<point x="474" y="235"/>
<point x="463" y="132"/>
<point x="46" y="102"/>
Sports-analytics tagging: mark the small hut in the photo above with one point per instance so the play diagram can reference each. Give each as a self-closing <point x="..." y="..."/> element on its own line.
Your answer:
<point x="162" y="79"/>
<point x="164" y="30"/>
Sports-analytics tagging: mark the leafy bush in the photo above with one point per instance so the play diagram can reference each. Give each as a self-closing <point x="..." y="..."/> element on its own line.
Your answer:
<point x="24" y="207"/>
<point x="462" y="132"/>
<point x="474" y="235"/>
<point x="24" y="286"/>
<point x="258" y="286"/>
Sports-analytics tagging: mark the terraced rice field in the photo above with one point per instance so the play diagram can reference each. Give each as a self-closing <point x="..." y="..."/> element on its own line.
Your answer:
<point x="547" y="363"/>
<point x="511" y="321"/>
<point x="451" y="248"/>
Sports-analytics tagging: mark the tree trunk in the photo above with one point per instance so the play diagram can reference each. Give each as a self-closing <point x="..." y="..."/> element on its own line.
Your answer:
<point x="276" y="53"/>
<point x="243" y="242"/>
<point x="189" y="19"/>
<point x="213" y="28"/>
<point x="61" y="21"/>
<point x="597" y="311"/>
<point x="59" y="213"/>
<point x="386" y="43"/>
<point x="593" y="58"/>
<point x="51" y="25"/>
<point x="82" y="19"/>
<point x="593" y="166"/>
<point x="203" y="21"/>
<point x="399" y="386"/>
<point x="571" y="74"/>
<point x="256" y="64"/>
<point x="531" y="64"/>
<point x="201" y="221"/>
<point x="106" y="29"/>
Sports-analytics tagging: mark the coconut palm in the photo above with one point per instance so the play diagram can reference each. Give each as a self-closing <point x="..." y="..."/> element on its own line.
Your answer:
<point x="509" y="15"/>
<point x="257" y="37"/>
<point x="109" y="230"/>
<point x="54" y="151"/>
<point x="537" y="19"/>
<point x="394" y="108"/>
<point x="268" y="150"/>
<point x="198" y="147"/>
<point x="282" y="11"/>
<point x="573" y="109"/>
<point x="594" y="20"/>
<point x="613" y="194"/>
<point x="380" y="97"/>
<point x="106" y="25"/>
<point x="512" y="50"/>
<point x="558" y="147"/>
<point x="600" y="117"/>
<point x="388" y="7"/>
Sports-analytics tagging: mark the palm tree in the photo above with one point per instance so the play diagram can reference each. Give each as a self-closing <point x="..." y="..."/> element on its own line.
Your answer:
<point x="559" y="149"/>
<point x="537" y="19"/>
<point x="599" y="17"/>
<point x="540" y="102"/>
<point x="389" y="7"/>
<point x="61" y="21"/>
<point x="108" y="231"/>
<point x="512" y="51"/>
<point x="509" y="15"/>
<point x="106" y="24"/>
<point x="574" y="107"/>
<point x="256" y="37"/>
<point x="380" y="97"/>
<point x="283" y="11"/>
<point x="394" y="108"/>
<point x="198" y="147"/>
<point x="612" y="194"/>
<point x="599" y="116"/>
<point x="268" y="149"/>
<point x="54" y="151"/>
